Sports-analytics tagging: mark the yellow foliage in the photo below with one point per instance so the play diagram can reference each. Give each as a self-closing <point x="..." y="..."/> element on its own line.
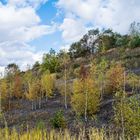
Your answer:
<point x="128" y="111"/>
<point x="47" y="83"/>
<point x="33" y="90"/>
<point x="115" y="78"/>
<point x="3" y="89"/>
<point x="80" y="88"/>
<point x="134" y="81"/>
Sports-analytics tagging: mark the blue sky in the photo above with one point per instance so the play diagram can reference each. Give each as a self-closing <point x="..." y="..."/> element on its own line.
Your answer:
<point x="48" y="14"/>
<point x="29" y="28"/>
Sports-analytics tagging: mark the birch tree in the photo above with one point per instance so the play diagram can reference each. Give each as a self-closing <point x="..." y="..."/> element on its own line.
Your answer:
<point x="48" y="83"/>
<point x="32" y="93"/>
<point x="85" y="98"/>
<point x="65" y="61"/>
<point x="3" y="93"/>
<point x="101" y="70"/>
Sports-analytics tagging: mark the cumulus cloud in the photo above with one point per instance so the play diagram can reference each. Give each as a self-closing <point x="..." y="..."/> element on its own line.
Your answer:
<point x="115" y="14"/>
<point x="19" y="52"/>
<point x="84" y="9"/>
<point x="19" y="24"/>
<point x="25" y="3"/>
<point x="22" y="24"/>
<point x="72" y="30"/>
<point x="65" y="47"/>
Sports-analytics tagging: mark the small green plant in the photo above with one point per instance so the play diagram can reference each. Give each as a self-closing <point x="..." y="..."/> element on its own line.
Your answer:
<point x="40" y="125"/>
<point x="58" y="121"/>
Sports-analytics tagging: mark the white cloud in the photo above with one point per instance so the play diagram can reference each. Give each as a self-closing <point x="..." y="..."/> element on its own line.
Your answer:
<point x="19" y="53"/>
<point x="25" y="3"/>
<point x="119" y="14"/>
<point x="20" y="24"/>
<point x="65" y="47"/>
<point x="30" y="33"/>
<point x="115" y="14"/>
<point x="84" y="9"/>
<point x="72" y="30"/>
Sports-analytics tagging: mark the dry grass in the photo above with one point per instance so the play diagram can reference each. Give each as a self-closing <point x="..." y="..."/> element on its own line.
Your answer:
<point x="37" y="134"/>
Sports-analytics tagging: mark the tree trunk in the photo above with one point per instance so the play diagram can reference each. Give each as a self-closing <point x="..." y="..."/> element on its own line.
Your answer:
<point x="101" y="90"/>
<point x="122" y="117"/>
<point x="9" y="104"/>
<point x="39" y="102"/>
<point x="0" y="104"/>
<point x="65" y="89"/>
<point x="122" y="120"/>
<point x="35" y="105"/>
<point x="86" y="107"/>
<point x="124" y="80"/>
<point x="46" y="98"/>
<point x="32" y="106"/>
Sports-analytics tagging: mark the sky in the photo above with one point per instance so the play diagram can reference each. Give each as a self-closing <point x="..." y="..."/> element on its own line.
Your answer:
<point x="29" y="28"/>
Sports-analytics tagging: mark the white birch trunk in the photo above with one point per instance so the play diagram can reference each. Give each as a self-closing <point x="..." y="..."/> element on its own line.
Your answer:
<point x="124" y="80"/>
<point x="65" y="88"/>
<point x="86" y="106"/>
<point x="32" y="105"/>
<point x="39" y="102"/>
<point x="35" y="105"/>
<point x="46" y="98"/>
<point x="0" y="104"/>
<point x="122" y="120"/>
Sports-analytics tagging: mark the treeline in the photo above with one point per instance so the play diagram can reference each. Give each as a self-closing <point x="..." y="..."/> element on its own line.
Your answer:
<point x="17" y="85"/>
<point x="96" y="41"/>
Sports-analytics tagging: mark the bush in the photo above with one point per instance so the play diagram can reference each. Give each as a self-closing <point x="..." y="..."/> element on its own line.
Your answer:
<point x="135" y="42"/>
<point x="115" y="78"/>
<point x="58" y="121"/>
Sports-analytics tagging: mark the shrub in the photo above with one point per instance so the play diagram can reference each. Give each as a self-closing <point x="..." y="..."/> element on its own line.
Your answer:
<point x="40" y="125"/>
<point x="135" y="42"/>
<point x="115" y="78"/>
<point x="58" y="121"/>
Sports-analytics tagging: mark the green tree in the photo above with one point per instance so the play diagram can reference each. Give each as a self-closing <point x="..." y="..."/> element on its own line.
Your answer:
<point x="101" y="71"/>
<point x="134" y="42"/>
<point x="50" y="62"/>
<point x="11" y="70"/>
<point x="135" y="35"/>
<point x="107" y="40"/>
<point x="134" y="29"/>
<point x="36" y="70"/>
